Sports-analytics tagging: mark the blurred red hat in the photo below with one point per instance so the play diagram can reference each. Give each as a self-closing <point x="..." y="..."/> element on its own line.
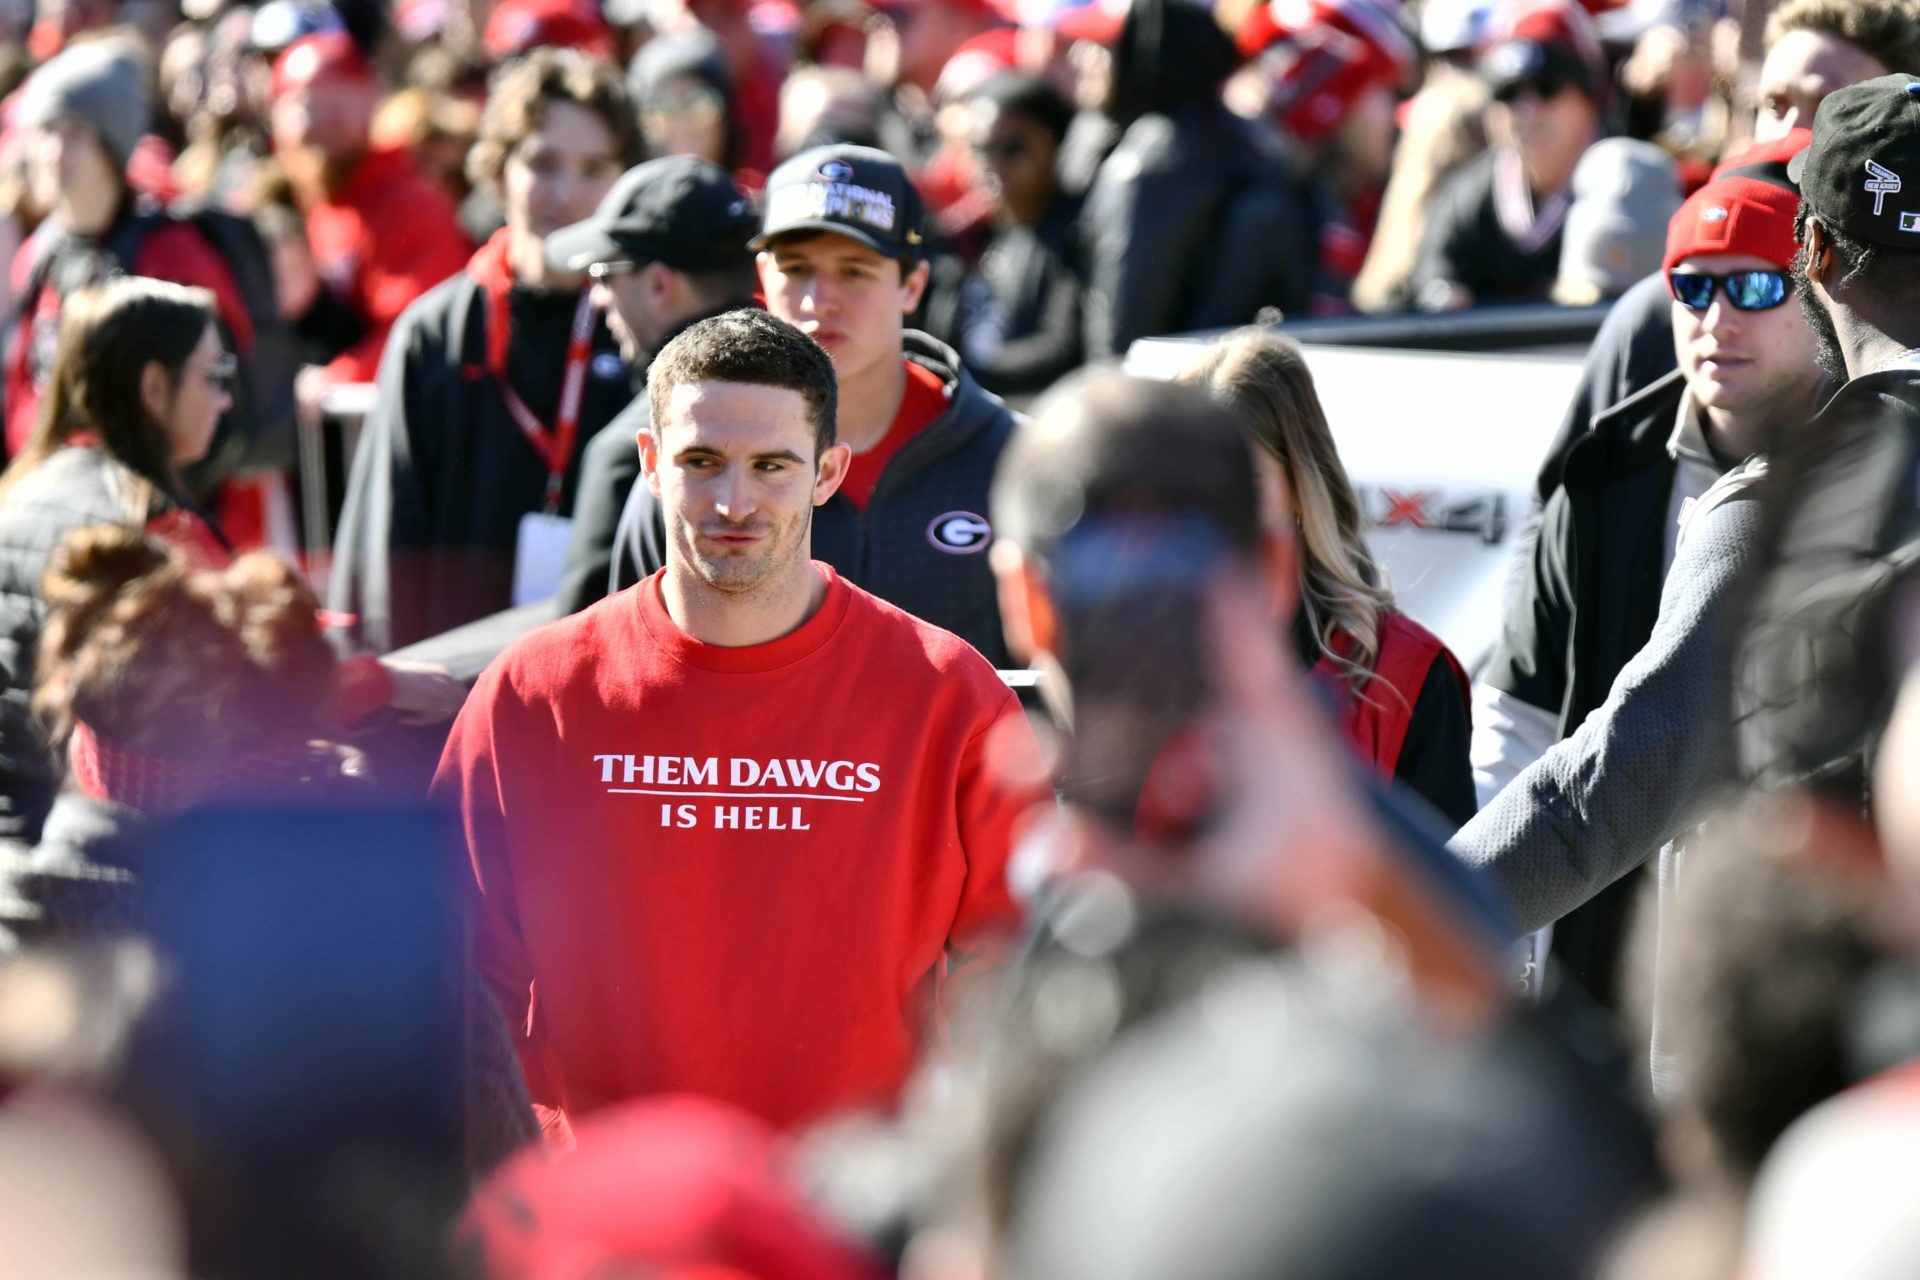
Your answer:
<point x="1098" y="21"/>
<point x="515" y="26"/>
<point x="1775" y="153"/>
<point x="687" y="1187"/>
<point x="977" y="61"/>
<point x="324" y="56"/>
<point x="1321" y="56"/>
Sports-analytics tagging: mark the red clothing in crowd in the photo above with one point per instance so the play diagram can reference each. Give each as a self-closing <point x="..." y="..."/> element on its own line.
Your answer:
<point x="732" y="871"/>
<point x="924" y="400"/>
<point x="381" y="241"/>
<point x="173" y="251"/>
<point x="1376" y="716"/>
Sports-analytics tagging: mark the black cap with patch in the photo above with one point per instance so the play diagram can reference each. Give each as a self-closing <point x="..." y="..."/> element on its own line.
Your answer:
<point x="858" y="192"/>
<point x="1861" y="173"/>
<point x="682" y="211"/>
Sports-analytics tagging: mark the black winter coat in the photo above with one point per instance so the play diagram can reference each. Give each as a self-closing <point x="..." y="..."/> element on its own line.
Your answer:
<point x="73" y="489"/>
<point x="921" y="543"/>
<point x="443" y="474"/>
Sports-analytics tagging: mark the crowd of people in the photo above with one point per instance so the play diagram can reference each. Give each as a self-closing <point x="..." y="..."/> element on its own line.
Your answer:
<point x="794" y="765"/>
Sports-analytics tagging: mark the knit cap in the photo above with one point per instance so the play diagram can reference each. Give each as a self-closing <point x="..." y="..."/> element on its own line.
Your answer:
<point x="101" y="82"/>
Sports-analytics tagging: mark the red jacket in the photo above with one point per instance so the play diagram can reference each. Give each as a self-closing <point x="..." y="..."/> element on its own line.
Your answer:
<point x="1375" y="716"/>
<point x="381" y="241"/>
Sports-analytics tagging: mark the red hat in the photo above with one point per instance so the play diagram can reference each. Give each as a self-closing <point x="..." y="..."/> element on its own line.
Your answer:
<point x="1098" y="21"/>
<point x="1773" y="155"/>
<point x="977" y="61"/>
<point x="324" y="56"/>
<point x="1735" y="215"/>
<point x="686" y="1186"/>
<point x="516" y="26"/>
<point x="1322" y="55"/>
<point x="1559" y="29"/>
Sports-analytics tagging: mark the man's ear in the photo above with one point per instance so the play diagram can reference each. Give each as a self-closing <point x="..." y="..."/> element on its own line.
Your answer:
<point x="1819" y="249"/>
<point x="832" y="472"/>
<point x="1281" y="551"/>
<point x="1027" y="615"/>
<point x="649" y="459"/>
<point x="912" y="285"/>
<point x="659" y="280"/>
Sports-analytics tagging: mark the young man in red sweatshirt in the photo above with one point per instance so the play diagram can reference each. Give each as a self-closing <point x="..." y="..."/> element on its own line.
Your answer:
<point x="727" y="826"/>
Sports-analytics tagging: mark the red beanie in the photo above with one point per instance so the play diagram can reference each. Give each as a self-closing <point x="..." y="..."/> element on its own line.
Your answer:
<point x="516" y="26"/>
<point x="323" y="56"/>
<point x="1735" y="215"/>
<point x="1322" y="55"/>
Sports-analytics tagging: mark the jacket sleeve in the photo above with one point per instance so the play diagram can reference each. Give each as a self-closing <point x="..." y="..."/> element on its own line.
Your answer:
<point x="608" y="469"/>
<point x="473" y="781"/>
<point x="1633" y="349"/>
<point x="1528" y="668"/>
<point x="1433" y="760"/>
<point x="1143" y="220"/>
<point x="415" y="250"/>
<point x="1642" y="765"/>
<point x="386" y="516"/>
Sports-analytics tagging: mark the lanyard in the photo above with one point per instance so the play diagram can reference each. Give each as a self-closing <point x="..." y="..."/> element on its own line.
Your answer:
<point x="554" y="447"/>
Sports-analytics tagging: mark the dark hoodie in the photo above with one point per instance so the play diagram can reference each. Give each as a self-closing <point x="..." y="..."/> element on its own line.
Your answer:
<point x="921" y="543"/>
<point x="443" y="474"/>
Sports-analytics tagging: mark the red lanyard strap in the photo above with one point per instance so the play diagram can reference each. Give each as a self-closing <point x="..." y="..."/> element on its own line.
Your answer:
<point x="555" y="447"/>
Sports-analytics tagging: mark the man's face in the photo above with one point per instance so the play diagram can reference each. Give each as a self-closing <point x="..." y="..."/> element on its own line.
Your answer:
<point x="68" y="164"/>
<point x="1800" y="70"/>
<point x="929" y="32"/>
<point x="1550" y="123"/>
<point x="1742" y="364"/>
<point x="329" y="117"/>
<point x="846" y="297"/>
<point x="557" y="174"/>
<point x="734" y="468"/>
<point x="1819" y="321"/>
<point x="1015" y="154"/>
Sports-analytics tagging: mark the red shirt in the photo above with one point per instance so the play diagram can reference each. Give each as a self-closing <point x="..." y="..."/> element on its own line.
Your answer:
<point x="718" y="870"/>
<point x="924" y="399"/>
<point x="383" y="240"/>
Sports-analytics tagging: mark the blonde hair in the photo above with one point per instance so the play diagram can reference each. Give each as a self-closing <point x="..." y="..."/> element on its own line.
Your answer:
<point x="1264" y="377"/>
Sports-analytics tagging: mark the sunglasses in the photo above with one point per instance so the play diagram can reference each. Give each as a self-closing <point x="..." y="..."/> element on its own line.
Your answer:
<point x="1746" y="290"/>
<point x="1544" y="87"/>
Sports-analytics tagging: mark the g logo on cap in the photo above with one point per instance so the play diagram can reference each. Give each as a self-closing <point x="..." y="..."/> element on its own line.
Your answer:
<point x="960" y="533"/>
<point x="836" y="171"/>
<point x="1713" y="213"/>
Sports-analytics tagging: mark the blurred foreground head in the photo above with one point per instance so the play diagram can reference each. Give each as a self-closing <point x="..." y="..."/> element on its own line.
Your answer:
<point x="1119" y="508"/>
<point x="168" y="685"/>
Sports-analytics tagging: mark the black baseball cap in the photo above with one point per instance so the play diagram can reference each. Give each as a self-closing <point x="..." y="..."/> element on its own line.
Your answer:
<point x="679" y="210"/>
<point x="858" y="192"/>
<point x="1861" y="173"/>
<point x="1521" y="62"/>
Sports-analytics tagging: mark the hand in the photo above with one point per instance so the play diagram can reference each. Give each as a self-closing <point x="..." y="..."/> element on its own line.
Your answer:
<point x="311" y="387"/>
<point x="424" y="693"/>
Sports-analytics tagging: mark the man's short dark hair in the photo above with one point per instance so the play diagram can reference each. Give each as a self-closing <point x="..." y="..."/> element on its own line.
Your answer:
<point x="1103" y="444"/>
<point x="1018" y="93"/>
<point x="753" y="347"/>
<point x="1888" y="31"/>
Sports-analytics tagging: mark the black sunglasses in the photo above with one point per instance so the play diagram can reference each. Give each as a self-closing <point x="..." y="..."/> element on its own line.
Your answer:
<point x="1545" y="87"/>
<point x="1746" y="290"/>
<point x="1003" y="150"/>
<point x="223" y="371"/>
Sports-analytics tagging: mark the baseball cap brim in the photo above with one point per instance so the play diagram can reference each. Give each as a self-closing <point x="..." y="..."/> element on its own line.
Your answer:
<point x="579" y="246"/>
<point x="1797" y="165"/>
<point x="829" y="226"/>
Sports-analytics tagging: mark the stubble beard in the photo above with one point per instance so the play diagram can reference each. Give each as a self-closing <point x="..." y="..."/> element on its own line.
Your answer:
<point x="1826" y="339"/>
<point x="745" y="575"/>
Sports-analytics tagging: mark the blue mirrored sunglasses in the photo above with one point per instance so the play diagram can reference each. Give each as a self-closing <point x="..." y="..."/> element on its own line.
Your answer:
<point x="1746" y="290"/>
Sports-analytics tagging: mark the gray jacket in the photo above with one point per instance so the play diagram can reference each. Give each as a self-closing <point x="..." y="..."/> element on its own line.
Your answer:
<point x="1644" y="765"/>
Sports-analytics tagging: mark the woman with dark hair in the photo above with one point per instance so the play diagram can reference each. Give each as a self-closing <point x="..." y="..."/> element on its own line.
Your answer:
<point x="1196" y="219"/>
<point x="139" y="382"/>
<point x="494" y="381"/>
<point x="1401" y="694"/>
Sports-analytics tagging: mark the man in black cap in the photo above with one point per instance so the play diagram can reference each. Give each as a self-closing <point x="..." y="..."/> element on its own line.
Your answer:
<point x="842" y="257"/>
<point x="666" y="248"/>
<point x="1812" y="692"/>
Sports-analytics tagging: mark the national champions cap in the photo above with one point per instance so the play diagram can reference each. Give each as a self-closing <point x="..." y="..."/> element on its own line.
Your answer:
<point x="1861" y="174"/>
<point x="683" y="211"/>
<point x="858" y="192"/>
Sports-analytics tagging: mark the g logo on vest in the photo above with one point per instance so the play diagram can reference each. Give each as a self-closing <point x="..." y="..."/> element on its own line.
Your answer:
<point x="960" y="533"/>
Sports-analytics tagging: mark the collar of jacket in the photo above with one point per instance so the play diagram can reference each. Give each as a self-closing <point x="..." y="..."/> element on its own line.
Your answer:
<point x="1628" y="437"/>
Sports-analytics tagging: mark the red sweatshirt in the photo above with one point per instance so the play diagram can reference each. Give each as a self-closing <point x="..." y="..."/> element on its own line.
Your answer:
<point x="732" y="871"/>
<point x="384" y="239"/>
